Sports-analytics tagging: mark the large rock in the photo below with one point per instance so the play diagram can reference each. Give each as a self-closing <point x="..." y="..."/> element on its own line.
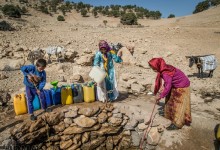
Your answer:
<point x="85" y="122"/>
<point x="88" y="111"/>
<point x="76" y="79"/>
<point x="34" y="136"/>
<point x="69" y="56"/>
<point x="115" y="121"/>
<point x="66" y="137"/>
<point x="77" y="138"/>
<point x="135" y="138"/>
<point x="102" y="117"/>
<point x="107" y="130"/>
<point x="65" y="144"/>
<point x="77" y="130"/>
<point x="131" y="124"/>
<point x="85" y="60"/>
<point x="37" y="125"/>
<point x="75" y="146"/>
<point x="54" y="118"/>
<point x="85" y="137"/>
<point x="59" y="128"/>
<point x="153" y="138"/>
<point x="93" y="144"/>
<point x="68" y="121"/>
<point x="109" y="143"/>
<point x="54" y="138"/>
<point x="127" y="57"/>
<point x="125" y="142"/>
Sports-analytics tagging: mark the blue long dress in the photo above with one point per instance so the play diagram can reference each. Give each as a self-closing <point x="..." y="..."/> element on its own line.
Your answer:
<point x="110" y="80"/>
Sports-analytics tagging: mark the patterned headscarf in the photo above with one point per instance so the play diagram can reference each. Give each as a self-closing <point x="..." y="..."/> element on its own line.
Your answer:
<point x="162" y="68"/>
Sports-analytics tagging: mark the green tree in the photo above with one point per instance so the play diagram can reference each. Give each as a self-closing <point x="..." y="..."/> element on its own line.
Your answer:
<point x="115" y="13"/>
<point x="171" y="16"/>
<point x="201" y="6"/>
<point x="140" y="15"/>
<point x="84" y="12"/>
<point x="11" y="11"/>
<point x="95" y="13"/>
<point x="215" y="2"/>
<point x="60" y="18"/>
<point x="129" y="19"/>
<point x="44" y="9"/>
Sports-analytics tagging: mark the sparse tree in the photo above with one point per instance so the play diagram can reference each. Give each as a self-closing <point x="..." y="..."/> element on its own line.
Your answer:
<point x="84" y="12"/>
<point x="129" y="19"/>
<point x="60" y="18"/>
<point x="105" y="22"/>
<point x="11" y="11"/>
<point x="171" y="16"/>
<point x="95" y="13"/>
<point x="201" y="7"/>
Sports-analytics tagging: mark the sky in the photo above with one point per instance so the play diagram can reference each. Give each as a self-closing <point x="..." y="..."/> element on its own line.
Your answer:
<point x="166" y="7"/>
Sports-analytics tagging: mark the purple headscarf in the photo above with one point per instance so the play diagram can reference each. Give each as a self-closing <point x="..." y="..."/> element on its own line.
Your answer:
<point x="104" y="44"/>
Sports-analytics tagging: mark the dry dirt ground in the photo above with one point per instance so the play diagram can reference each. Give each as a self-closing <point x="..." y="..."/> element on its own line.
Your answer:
<point x="172" y="39"/>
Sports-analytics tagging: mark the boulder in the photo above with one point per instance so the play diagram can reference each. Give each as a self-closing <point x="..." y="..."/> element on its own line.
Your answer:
<point x="85" y="122"/>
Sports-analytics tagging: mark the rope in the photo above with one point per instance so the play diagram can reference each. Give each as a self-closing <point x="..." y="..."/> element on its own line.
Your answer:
<point x="146" y="130"/>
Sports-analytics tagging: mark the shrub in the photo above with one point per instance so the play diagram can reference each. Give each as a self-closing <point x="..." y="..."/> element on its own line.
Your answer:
<point x="60" y="18"/>
<point x="129" y="19"/>
<point x="11" y="11"/>
<point x="171" y="16"/>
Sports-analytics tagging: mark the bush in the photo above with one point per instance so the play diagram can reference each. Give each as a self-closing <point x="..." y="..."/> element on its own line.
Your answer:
<point x="171" y="16"/>
<point x="105" y="22"/>
<point x="95" y="13"/>
<point x="44" y="9"/>
<point x="11" y="11"/>
<point x="201" y="7"/>
<point x="84" y="12"/>
<point x="4" y="26"/>
<point x="215" y="2"/>
<point x="24" y="10"/>
<point x="60" y="18"/>
<point x="129" y="19"/>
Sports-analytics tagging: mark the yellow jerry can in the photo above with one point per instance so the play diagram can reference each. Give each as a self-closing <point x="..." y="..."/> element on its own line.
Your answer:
<point x="89" y="94"/>
<point x="218" y="133"/>
<point x="66" y="95"/>
<point x="20" y="104"/>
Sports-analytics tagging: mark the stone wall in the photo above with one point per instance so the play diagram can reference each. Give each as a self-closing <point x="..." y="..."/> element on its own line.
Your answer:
<point x="86" y="128"/>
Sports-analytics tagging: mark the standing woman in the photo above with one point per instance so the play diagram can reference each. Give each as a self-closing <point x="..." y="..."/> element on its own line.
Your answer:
<point x="176" y="90"/>
<point x="107" y="90"/>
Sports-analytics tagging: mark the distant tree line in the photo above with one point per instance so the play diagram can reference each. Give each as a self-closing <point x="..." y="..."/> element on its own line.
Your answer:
<point x="201" y="6"/>
<point x="129" y="14"/>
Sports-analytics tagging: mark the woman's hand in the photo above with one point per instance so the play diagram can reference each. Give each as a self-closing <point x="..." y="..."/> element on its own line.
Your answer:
<point x="157" y="98"/>
<point x="119" y="53"/>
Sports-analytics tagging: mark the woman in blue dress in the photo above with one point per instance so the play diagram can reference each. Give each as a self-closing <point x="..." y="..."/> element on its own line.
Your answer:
<point x="107" y="90"/>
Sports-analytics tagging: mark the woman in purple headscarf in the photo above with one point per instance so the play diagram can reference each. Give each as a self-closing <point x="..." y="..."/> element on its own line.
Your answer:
<point x="104" y="59"/>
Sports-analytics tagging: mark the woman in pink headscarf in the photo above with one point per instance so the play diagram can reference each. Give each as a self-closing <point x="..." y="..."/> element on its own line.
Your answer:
<point x="176" y="91"/>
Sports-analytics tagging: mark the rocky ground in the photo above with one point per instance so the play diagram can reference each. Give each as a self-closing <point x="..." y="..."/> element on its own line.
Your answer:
<point x="172" y="39"/>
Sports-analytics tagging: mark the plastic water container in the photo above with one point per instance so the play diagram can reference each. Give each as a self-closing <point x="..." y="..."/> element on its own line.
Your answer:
<point x="77" y="93"/>
<point x="56" y="95"/>
<point x="36" y="103"/>
<point x="218" y="133"/>
<point x="89" y="94"/>
<point x="97" y="74"/>
<point x="20" y="105"/>
<point x="66" y="95"/>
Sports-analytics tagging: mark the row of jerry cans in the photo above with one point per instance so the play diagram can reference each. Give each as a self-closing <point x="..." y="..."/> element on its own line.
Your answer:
<point x="62" y="95"/>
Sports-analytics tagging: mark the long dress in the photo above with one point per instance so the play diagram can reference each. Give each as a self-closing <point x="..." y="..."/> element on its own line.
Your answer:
<point x="107" y="90"/>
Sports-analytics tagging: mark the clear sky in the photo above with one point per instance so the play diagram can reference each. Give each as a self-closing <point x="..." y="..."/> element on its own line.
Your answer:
<point x="166" y="7"/>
